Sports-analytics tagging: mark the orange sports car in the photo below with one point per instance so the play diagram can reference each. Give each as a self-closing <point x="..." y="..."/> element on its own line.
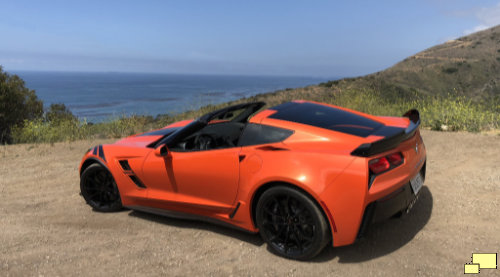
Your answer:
<point x="303" y="174"/>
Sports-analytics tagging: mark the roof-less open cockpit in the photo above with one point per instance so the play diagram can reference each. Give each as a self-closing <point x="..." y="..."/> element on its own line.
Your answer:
<point x="215" y="130"/>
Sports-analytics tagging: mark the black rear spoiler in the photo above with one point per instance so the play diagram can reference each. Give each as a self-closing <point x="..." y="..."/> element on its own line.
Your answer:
<point x="393" y="137"/>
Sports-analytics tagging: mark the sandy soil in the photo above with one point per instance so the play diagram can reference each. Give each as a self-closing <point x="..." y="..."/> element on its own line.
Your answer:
<point x="47" y="229"/>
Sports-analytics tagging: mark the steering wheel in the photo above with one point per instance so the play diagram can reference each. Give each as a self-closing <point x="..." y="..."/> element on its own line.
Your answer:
<point x="228" y="142"/>
<point x="204" y="142"/>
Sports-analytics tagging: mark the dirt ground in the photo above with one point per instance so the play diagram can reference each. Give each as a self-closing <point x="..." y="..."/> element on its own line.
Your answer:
<point x="46" y="229"/>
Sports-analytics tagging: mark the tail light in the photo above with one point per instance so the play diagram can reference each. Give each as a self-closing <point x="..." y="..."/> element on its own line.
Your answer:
<point x="395" y="159"/>
<point x="379" y="165"/>
<point x="383" y="164"/>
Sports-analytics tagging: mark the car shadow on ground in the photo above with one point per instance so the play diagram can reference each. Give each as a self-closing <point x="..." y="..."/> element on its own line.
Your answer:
<point x="225" y="230"/>
<point x="381" y="238"/>
<point x="385" y="237"/>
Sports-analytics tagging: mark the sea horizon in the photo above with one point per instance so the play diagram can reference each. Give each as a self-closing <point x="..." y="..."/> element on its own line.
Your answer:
<point x="101" y="96"/>
<point x="18" y="71"/>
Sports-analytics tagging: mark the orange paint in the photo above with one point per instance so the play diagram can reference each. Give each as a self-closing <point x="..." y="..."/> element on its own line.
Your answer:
<point x="212" y="182"/>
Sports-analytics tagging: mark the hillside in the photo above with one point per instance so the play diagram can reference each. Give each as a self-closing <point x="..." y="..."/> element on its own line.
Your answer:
<point x="469" y="65"/>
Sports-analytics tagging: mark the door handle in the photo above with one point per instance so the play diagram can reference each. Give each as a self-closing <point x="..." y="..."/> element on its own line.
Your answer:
<point x="242" y="157"/>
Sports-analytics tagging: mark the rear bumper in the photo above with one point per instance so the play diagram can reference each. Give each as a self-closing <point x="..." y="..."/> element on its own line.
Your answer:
<point x="401" y="200"/>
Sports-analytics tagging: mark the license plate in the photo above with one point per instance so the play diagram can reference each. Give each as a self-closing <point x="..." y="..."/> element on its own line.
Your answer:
<point x="416" y="183"/>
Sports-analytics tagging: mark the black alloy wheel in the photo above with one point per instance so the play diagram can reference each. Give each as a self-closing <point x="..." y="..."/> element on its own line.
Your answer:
<point x="291" y="223"/>
<point x="99" y="189"/>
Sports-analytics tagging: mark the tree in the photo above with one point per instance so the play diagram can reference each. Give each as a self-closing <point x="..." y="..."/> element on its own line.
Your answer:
<point x="17" y="103"/>
<point x="58" y="113"/>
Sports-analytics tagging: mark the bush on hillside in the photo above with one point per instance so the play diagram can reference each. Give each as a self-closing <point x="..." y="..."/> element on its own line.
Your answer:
<point x="58" y="113"/>
<point x="329" y="83"/>
<point x="38" y="131"/>
<point x="17" y="103"/>
<point x="450" y="70"/>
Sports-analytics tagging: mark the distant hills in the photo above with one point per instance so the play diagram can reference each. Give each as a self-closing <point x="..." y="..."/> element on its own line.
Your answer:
<point x="469" y="65"/>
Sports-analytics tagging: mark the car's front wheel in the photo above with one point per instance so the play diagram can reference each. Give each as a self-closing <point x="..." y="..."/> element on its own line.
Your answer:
<point x="291" y="223"/>
<point x="99" y="189"/>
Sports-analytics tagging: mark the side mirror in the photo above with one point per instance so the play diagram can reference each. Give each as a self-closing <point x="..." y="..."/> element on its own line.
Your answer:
<point x="162" y="151"/>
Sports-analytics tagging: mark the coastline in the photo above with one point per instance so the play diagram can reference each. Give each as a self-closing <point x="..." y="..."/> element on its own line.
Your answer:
<point x="104" y="96"/>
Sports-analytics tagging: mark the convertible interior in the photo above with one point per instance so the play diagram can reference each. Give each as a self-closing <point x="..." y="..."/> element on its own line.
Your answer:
<point x="216" y="130"/>
<point x="213" y="136"/>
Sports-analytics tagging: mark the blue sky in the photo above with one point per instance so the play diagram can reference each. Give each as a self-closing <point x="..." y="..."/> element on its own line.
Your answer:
<point x="293" y="37"/>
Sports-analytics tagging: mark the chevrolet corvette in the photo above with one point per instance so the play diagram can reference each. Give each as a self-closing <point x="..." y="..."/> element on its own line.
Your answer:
<point x="302" y="174"/>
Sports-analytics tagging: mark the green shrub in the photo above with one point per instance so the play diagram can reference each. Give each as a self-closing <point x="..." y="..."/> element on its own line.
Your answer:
<point x="450" y="70"/>
<point x="59" y="112"/>
<point x="39" y="130"/>
<point x="126" y="126"/>
<point x="458" y="114"/>
<point x="329" y="83"/>
<point x="17" y="103"/>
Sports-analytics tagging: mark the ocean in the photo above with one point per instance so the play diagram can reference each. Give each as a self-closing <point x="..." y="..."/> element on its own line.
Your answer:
<point x="97" y="97"/>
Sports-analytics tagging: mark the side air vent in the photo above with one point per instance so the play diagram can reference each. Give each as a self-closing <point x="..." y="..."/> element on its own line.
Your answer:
<point x="124" y="164"/>
<point x="137" y="181"/>
<point x="101" y="153"/>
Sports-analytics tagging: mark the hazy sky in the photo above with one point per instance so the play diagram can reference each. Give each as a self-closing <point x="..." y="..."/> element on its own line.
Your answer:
<point x="293" y="37"/>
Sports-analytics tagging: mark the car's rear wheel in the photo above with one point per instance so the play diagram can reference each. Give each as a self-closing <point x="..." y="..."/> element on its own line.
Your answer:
<point x="99" y="189"/>
<point x="291" y="223"/>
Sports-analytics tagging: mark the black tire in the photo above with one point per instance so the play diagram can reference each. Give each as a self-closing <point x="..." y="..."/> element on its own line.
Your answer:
<point x="291" y="223"/>
<point x="99" y="189"/>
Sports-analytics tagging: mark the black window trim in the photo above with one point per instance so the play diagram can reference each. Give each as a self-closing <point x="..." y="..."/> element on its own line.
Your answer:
<point x="288" y="131"/>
